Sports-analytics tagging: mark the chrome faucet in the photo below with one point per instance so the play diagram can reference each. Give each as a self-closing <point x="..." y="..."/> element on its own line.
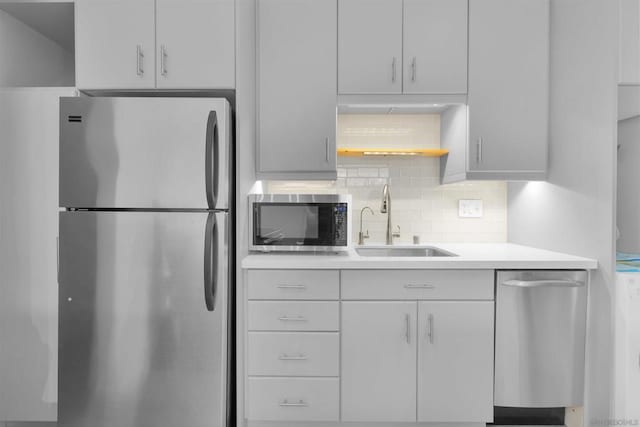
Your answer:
<point x="385" y="207"/>
<point x="361" y="236"/>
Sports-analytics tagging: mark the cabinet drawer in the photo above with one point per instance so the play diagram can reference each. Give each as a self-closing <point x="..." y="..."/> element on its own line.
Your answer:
<point x="417" y="284"/>
<point x="294" y="284"/>
<point x="294" y="353"/>
<point x="293" y="316"/>
<point x="293" y="399"/>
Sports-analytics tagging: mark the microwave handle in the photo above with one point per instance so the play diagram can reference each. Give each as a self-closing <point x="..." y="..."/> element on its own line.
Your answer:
<point x="211" y="159"/>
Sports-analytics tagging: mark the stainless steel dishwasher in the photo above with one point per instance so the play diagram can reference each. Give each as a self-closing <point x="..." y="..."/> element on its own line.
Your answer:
<point x="540" y="338"/>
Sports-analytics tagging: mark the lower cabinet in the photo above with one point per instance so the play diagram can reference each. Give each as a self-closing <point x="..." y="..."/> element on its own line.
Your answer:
<point x="379" y="361"/>
<point x="413" y="346"/>
<point x="452" y="342"/>
<point x="455" y="361"/>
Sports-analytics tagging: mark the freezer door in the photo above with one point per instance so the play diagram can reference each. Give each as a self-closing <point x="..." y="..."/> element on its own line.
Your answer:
<point x="139" y="344"/>
<point x="165" y="153"/>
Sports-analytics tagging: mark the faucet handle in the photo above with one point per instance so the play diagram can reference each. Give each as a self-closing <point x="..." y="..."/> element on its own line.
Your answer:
<point x="396" y="233"/>
<point x="362" y="236"/>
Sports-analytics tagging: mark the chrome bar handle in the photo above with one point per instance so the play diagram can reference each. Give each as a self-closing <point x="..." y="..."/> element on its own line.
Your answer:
<point x="544" y="283"/>
<point x="210" y="261"/>
<point x="285" y="356"/>
<point x="419" y="286"/>
<point x="407" y="326"/>
<point x="326" y="149"/>
<point x="163" y="60"/>
<point x="393" y="70"/>
<point x="292" y="318"/>
<point x="413" y="69"/>
<point x="430" y="328"/>
<point x="212" y="157"/>
<point x="58" y="259"/>
<point x="300" y="402"/>
<point x="139" y="61"/>
<point x="479" y="155"/>
<point x="292" y="287"/>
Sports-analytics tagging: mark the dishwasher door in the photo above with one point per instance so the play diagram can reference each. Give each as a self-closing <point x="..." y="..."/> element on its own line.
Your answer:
<point x="540" y="338"/>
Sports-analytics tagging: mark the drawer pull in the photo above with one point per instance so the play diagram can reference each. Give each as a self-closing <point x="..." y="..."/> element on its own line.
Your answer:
<point x="300" y="402"/>
<point x="293" y="357"/>
<point x="416" y="286"/>
<point x="292" y="287"/>
<point x="293" y="318"/>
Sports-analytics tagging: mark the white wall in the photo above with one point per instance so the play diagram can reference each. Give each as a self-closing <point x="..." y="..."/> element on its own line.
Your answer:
<point x="245" y="160"/>
<point x="574" y="211"/>
<point x="27" y="58"/>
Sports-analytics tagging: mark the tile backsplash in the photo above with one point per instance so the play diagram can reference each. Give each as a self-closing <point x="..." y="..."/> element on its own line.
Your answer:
<point x="420" y="206"/>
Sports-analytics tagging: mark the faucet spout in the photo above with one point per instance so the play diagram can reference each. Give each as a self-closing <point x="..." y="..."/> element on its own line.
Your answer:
<point x="385" y="207"/>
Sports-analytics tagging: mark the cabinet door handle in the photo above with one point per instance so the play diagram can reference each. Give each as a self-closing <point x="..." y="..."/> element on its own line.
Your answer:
<point x="326" y="149"/>
<point x="293" y="318"/>
<point x="163" y="60"/>
<point x="139" y="61"/>
<point x="413" y="69"/>
<point x="300" y="402"/>
<point x="300" y="356"/>
<point x="479" y="150"/>
<point x="430" y="328"/>
<point x="407" y="328"/>
<point x="419" y="286"/>
<point x="292" y="287"/>
<point x="393" y="70"/>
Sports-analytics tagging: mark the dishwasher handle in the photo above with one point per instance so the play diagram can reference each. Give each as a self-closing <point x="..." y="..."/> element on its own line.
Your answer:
<point x="556" y="283"/>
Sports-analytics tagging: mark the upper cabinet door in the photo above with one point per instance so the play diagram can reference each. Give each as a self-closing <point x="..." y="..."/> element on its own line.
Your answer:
<point x="195" y="44"/>
<point x="370" y="46"/>
<point x="508" y="88"/>
<point x="455" y="361"/>
<point x="115" y="44"/>
<point x="379" y="361"/>
<point x="297" y="88"/>
<point x="435" y="46"/>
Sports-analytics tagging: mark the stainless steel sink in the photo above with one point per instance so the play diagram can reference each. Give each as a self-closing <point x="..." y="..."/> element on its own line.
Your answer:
<point x="391" y="251"/>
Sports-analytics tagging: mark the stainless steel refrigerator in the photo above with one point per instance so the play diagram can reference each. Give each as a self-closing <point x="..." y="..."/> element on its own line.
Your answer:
<point x="145" y="262"/>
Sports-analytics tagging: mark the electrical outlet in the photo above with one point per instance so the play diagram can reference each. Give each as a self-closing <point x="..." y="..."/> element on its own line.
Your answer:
<point x="470" y="208"/>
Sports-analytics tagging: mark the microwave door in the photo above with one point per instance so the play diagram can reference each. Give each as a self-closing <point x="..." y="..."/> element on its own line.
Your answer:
<point x="144" y="153"/>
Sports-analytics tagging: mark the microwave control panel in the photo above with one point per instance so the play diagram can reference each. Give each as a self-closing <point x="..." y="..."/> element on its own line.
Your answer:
<point x="340" y="215"/>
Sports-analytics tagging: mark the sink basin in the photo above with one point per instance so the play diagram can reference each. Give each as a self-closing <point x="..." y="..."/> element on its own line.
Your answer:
<point x="390" y="251"/>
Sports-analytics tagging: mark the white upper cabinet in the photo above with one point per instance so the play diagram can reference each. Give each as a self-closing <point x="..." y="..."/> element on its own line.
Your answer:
<point x="402" y="46"/>
<point x="297" y="89"/>
<point x="508" y="88"/>
<point x="435" y="46"/>
<point x="379" y="361"/>
<point x="147" y="44"/>
<point x="195" y="44"/>
<point x="370" y="46"/>
<point x="455" y="361"/>
<point x="115" y="44"/>
<point x="508" y="95"/>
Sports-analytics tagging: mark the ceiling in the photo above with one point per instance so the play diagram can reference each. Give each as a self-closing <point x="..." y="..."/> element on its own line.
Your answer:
<point x="53" y="20"/>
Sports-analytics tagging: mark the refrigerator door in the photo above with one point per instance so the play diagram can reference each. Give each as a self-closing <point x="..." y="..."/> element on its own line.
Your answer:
<point x="162" y="153"/>
<point x="139" y="346"/>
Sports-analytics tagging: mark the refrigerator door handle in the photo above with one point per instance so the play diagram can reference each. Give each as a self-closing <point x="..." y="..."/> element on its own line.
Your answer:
<point x="210" y="261"/>
<point x="212" y="159"/>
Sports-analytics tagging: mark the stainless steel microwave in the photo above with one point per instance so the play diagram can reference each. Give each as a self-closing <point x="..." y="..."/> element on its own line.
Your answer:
<point x="299" y="222"/>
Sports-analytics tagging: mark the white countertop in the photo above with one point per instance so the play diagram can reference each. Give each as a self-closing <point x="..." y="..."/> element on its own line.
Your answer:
<point x="470" y="256"/>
